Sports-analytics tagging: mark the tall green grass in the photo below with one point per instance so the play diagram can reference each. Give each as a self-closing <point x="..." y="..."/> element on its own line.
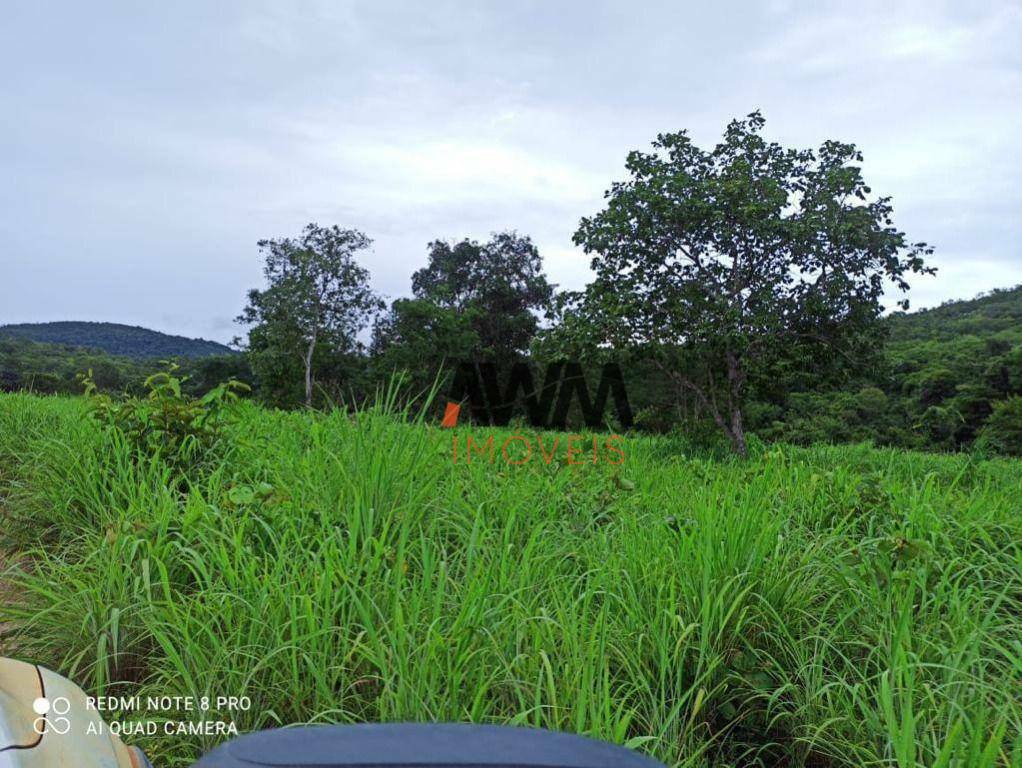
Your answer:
<point x="808" y="607"/>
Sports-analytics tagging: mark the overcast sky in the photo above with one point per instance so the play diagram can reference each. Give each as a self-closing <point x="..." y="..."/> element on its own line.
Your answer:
<point x="145" y="147"/>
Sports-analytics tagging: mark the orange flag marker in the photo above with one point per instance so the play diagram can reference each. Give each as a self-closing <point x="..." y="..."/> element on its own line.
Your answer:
<point x="451" y="415"/>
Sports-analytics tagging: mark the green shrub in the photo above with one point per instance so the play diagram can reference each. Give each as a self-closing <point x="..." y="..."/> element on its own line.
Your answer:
<point x="869" y="402"/>
<point x="183" y="431"/>
<point x="936" y="386"/>
<point x="1002" y="431"/>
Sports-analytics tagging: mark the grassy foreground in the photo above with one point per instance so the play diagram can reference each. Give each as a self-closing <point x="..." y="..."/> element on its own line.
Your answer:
<point x="825" y="606"/>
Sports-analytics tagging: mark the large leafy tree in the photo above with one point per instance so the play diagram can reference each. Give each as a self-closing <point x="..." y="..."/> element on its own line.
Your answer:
<point x="418" y="337"/>
<point x="317" y="295"/>
<point x="496" y="288"/>
<point x="739" y="264"/>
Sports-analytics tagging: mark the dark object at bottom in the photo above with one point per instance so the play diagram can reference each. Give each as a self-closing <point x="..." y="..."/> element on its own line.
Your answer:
<point x="419" y="745"/>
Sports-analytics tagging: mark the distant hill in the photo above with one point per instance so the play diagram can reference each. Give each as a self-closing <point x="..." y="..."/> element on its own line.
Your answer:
<point x="989" y="314"/>
<point x="116" y="339"/>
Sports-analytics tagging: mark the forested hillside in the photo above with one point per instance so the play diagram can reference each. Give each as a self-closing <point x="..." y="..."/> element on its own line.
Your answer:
<point x="997" y="313"/>
<point x="950" y="376"/>
<point x="57" y="368"/>
<point x="115" y="339"/>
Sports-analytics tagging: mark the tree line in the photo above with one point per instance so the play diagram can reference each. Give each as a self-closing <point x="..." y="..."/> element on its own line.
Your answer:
<point x="720" y="269"/>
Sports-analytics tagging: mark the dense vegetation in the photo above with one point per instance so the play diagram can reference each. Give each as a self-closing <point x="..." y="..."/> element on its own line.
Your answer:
<point x="818" y="606"/>
<point x="115" y="339"/>
<point x="944" y="374"/>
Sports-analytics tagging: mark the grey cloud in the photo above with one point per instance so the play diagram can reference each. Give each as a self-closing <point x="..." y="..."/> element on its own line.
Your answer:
<point x="146" y="147"/>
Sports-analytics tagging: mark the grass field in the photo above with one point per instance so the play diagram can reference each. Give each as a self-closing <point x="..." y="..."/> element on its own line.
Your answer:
<point x="831" y="606"/>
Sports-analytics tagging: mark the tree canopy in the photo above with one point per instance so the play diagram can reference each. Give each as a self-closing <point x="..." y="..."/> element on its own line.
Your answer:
<point x="498" y="287"/>
<point x="742" y="262"/>
<point x="316" y="294"/>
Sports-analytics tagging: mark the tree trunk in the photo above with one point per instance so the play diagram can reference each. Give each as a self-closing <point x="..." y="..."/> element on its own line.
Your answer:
<point x="734" y="426"/>
<point x="737" y="433"/>
<point x="308" y="371"/>
<point x="736" y="380"/>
